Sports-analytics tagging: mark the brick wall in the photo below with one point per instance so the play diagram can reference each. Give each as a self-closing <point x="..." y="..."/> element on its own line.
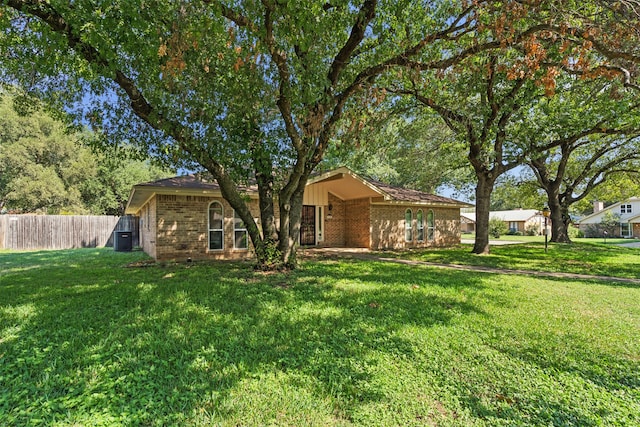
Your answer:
<point x="636" y="230"/>
<point x="357" y="223"/>
<point x="334" y="235"/>
<point x="175" y="227"/>
<point x="182" y="228"/>
<point x="388" y="227"/>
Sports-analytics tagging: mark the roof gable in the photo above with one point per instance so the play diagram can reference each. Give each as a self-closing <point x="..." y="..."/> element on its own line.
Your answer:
<point x="615" y="209"/>
<point x="343" y="178"/>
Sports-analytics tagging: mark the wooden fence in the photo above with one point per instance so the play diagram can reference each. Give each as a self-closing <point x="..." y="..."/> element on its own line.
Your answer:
<point x="23" y="232"/>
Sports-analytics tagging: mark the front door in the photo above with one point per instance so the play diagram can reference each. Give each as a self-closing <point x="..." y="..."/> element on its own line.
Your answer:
<point x="308" y="226"/>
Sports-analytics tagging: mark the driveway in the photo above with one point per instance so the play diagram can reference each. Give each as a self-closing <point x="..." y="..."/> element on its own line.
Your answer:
<point x="630" y="245"/>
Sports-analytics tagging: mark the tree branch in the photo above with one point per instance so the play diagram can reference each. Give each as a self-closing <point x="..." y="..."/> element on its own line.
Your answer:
<point x="365" y="16"/>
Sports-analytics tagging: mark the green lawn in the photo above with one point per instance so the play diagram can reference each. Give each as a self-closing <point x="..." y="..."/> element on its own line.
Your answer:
<point x="96" y="337"/>
<point x="540" y="239"/>
<point x="585" y="256"/>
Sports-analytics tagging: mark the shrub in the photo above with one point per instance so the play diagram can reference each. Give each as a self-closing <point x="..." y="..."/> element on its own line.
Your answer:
<point x="532" y="230"/>
<point x="497" y="227"/>
<point x="575" y="232"/>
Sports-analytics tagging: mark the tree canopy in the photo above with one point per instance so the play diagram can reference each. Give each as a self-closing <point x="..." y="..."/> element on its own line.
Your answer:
<point x="260" y="89"/>
<point x="568" y="80"/>
<point x="45" y="168"/>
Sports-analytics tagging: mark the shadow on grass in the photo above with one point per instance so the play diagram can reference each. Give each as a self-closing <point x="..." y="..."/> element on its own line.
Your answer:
<point x="580" y="258"/>
<point x="85" y="340"/>
<point x="82" y="334"/>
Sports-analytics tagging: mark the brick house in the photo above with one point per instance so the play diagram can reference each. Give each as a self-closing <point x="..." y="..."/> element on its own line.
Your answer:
<point x="186" y="217"/>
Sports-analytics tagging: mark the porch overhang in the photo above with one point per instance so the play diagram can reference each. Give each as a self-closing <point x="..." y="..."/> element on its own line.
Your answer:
<point x="346" y="185"/>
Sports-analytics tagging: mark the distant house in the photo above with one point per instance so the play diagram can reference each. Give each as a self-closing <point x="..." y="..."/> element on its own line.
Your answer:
<point x="516" y="220"/>
<point x="627" y="214"/>
<point x="467" y="222"/>
<point x="186" y="217"/>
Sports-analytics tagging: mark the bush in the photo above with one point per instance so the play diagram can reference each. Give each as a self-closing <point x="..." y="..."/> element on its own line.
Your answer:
<point x="598" y="230"/>
<point x="497" y="227"/>
<point x="532" y="230"/>
<point x="575" y="232"/>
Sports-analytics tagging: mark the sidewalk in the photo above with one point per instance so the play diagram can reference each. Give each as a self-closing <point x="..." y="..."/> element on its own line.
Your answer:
<point x="365" y="254"/>
<point x="493" y="242"/>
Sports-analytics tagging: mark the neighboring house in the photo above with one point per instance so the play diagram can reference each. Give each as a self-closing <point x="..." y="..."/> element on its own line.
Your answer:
<point x="627" y="212"/>
<point x="468" y="222"/>
<point x="521" y="220"/>
<point x="186" y="217"/>
<point x="516" y="220"/>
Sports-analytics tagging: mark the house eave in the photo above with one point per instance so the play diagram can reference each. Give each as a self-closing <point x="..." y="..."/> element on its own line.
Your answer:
<point x="387" y="202"/>
<point x="141" y="195"/>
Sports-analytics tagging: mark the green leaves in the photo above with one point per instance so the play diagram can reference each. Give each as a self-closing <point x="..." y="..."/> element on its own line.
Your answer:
<point x="46" y="169"/>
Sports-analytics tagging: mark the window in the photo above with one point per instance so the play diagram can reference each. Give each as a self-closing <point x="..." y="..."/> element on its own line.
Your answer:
<point x="216" y="231"/>
<point x="625" y="209"/>
<point x="408" y="225"/>
<point x="240" y="240"/>
<point x="513" y="226"/>
<point x="431" y="226"/>
<point x="420" y="224"/>
<point x="625" y="229"/>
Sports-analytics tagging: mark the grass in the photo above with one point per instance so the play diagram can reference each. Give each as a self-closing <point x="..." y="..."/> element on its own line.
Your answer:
<point x="96" y="337"/>
<point x="584" y="256"/>
<point x="540" y="239"/>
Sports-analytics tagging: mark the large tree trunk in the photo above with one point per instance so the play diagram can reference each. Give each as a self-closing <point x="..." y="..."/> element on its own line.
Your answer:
<point x="484" y="188"/>
<point x="559" y="223"/>
<point x="266" y="246"/>
<point x="290" y="218"/>
<point x="559" y="214"/>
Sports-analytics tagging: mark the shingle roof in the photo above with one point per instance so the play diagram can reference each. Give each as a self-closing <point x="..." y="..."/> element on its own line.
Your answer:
<point x="408" y="195"/>
<point x="512" y="215"/>
<point x="515" y="214"/>
<point x="192" y="181"/>
<point x="200" y="183"/>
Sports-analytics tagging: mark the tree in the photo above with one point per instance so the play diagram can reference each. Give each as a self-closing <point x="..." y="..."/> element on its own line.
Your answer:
<point x="107" y="192"/>
<point x="245" y="90"/>
<point x="44" y="168"/>
<point x="404" y="149"/>
<point x="513" y="191"/>
<point x="488" y="99"/>
<point x="594" y="128"/>
<point x="576" y="169"/>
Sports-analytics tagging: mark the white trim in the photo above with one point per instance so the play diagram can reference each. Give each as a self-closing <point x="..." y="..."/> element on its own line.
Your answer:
<point x="609" y="208"/>
<point x="410" y="227"/>
<point x="347" y="171"/>
<point x="431" y="227"/>
<point x="319" y="224"/>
